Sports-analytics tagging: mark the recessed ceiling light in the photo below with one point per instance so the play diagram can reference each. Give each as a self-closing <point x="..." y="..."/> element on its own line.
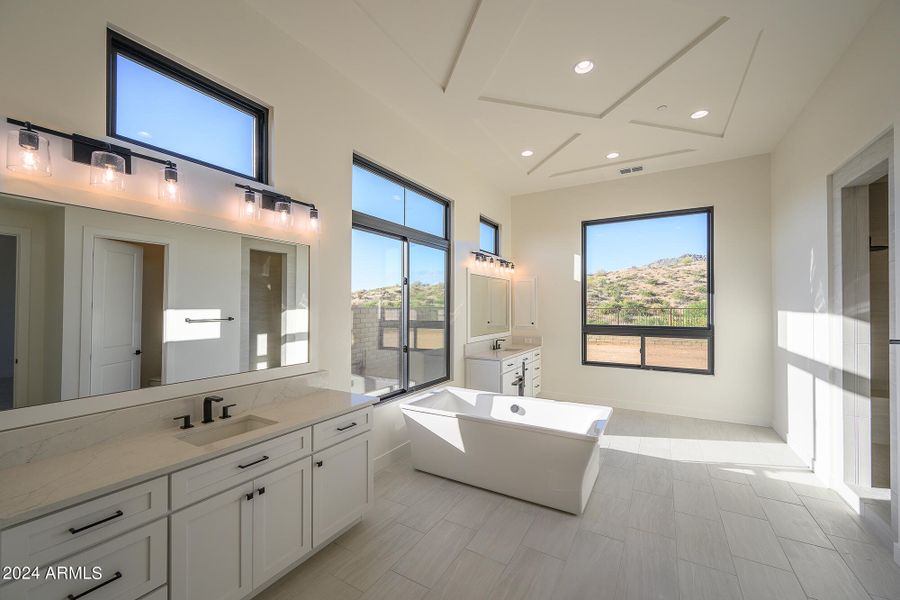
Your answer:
<point x="699" y="114"/>
<point x="584" y="66"/>
<point x="662" y="107"/>
<point x="612" y="155"/>
<point x="527" y="153"/>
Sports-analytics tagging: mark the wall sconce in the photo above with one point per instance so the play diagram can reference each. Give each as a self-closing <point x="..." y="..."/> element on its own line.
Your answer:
<point x="169" y="190"/>
<point x="283" y="207"/>
<point x="493" y="263"/>
<point x="107" y="170"/>
<point x="28" y="152"/>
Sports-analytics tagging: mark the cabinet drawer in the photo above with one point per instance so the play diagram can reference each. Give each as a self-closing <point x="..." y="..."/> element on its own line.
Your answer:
<point x="330" y="432"/>
<point x="535" y="368"/>
<point x="68" y="531"/>
<point x="536" y="386"/>
<point x="131" y="566"/>
<point x="511" y="364"/>
<point x="536" y="354"/>
<point x="203" y="480"/>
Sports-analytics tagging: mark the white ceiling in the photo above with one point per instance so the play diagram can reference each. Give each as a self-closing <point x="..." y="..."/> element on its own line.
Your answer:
<point x="489" y="78"/>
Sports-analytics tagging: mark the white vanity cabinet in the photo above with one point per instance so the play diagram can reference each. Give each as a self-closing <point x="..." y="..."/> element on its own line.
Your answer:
<point x="233" y="542"/>
<point x="499" y="372"/>
<point x="221" y="529"/>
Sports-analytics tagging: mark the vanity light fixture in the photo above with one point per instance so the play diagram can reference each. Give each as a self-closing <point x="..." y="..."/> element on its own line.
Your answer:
<point x="28" y="152"/>
<point x="109" y="162"/>
<point x="281" y="204"/>
<point x="494" y="263"/>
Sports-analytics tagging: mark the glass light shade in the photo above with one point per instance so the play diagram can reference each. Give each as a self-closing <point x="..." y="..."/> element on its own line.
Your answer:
<point x="27" y="152"/>
<point x="107" y="170"/>
<point x="249" y="206"/>
<point x="169" y="188"/>
<point x="314" y="219"/>
<point x="283" y="216"/>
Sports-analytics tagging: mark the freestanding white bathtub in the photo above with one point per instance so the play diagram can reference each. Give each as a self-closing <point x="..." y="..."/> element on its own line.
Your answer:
<point x="538" y="450"/>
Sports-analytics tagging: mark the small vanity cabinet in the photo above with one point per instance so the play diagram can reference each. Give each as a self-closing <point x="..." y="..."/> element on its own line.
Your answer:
<point x="498" y="371"/>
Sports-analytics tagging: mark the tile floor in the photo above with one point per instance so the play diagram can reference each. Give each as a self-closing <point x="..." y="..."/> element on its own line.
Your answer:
<point x="683" y="508"/>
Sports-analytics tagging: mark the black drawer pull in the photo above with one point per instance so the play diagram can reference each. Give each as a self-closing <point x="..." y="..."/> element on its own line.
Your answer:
<point x="116" y="515"/>
<point x="118" y="575"/>
<point x="346" y="427"/>
<point x="255" y="462"/>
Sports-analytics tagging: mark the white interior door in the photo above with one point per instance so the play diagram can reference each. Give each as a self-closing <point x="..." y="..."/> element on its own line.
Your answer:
<point x="116" y="317"/>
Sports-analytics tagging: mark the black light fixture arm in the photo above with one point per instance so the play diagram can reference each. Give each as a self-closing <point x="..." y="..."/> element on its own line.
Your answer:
<point x="275" y="196"/>
<point x="83" y="141"/>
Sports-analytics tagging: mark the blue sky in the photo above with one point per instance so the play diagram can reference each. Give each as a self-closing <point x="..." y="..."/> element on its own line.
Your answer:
<point x="157" y="110"/>
<point x="377" y="259"/>
<point x="619" y="245"/>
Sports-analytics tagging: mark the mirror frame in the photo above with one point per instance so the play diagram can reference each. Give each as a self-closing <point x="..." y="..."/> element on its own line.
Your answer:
<point x="490" y="336"/>
<point x="77" y="407"/>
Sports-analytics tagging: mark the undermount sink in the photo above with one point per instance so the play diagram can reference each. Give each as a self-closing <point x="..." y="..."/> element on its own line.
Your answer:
<point x="203" y="434"/>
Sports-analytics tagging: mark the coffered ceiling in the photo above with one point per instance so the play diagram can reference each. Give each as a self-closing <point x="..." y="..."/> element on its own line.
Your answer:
<point x="491" y="78"/>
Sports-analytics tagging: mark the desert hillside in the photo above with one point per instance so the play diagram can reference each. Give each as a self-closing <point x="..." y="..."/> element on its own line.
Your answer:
<point x="671" y="289"/>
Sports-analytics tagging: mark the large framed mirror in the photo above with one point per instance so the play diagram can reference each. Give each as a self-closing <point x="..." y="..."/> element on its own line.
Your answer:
<point x="95" y="303"/>
<point x="489" y="306"/>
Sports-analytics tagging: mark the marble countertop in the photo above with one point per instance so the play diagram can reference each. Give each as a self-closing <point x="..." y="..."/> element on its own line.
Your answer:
<point x="37" y="488"/>
<point x="503" y="353"/>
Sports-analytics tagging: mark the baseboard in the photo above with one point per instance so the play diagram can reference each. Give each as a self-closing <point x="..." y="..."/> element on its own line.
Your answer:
<point x="665" y="409"/>
<point x="392" y="456"/>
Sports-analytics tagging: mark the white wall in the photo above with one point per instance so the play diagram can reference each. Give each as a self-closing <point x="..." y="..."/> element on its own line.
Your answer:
<point x="858" y="101"/>
<point x="319" y="120"/>
<point x="548" y="240"/>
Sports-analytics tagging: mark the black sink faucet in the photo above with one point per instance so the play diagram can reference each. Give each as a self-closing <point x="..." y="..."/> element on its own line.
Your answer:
<point x="207" y="408"/>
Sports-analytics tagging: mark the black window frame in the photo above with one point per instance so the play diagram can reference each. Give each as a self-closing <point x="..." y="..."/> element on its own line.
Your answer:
<point x="661" y="331"/>
<point x="496" y="227"/>
<point x="119" y="44"/>
<point x="408" y="235"/>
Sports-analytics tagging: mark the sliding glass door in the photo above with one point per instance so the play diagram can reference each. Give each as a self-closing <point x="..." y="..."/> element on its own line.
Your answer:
<point x="400" y="285"/>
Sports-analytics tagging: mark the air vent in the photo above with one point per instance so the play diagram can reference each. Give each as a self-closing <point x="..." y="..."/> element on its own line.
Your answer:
<point x="628" y="170"/>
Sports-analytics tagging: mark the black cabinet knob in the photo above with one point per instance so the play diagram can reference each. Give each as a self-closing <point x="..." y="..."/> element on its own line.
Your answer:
<point x="137" y="352"/>
<point x="319" y="463"/>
